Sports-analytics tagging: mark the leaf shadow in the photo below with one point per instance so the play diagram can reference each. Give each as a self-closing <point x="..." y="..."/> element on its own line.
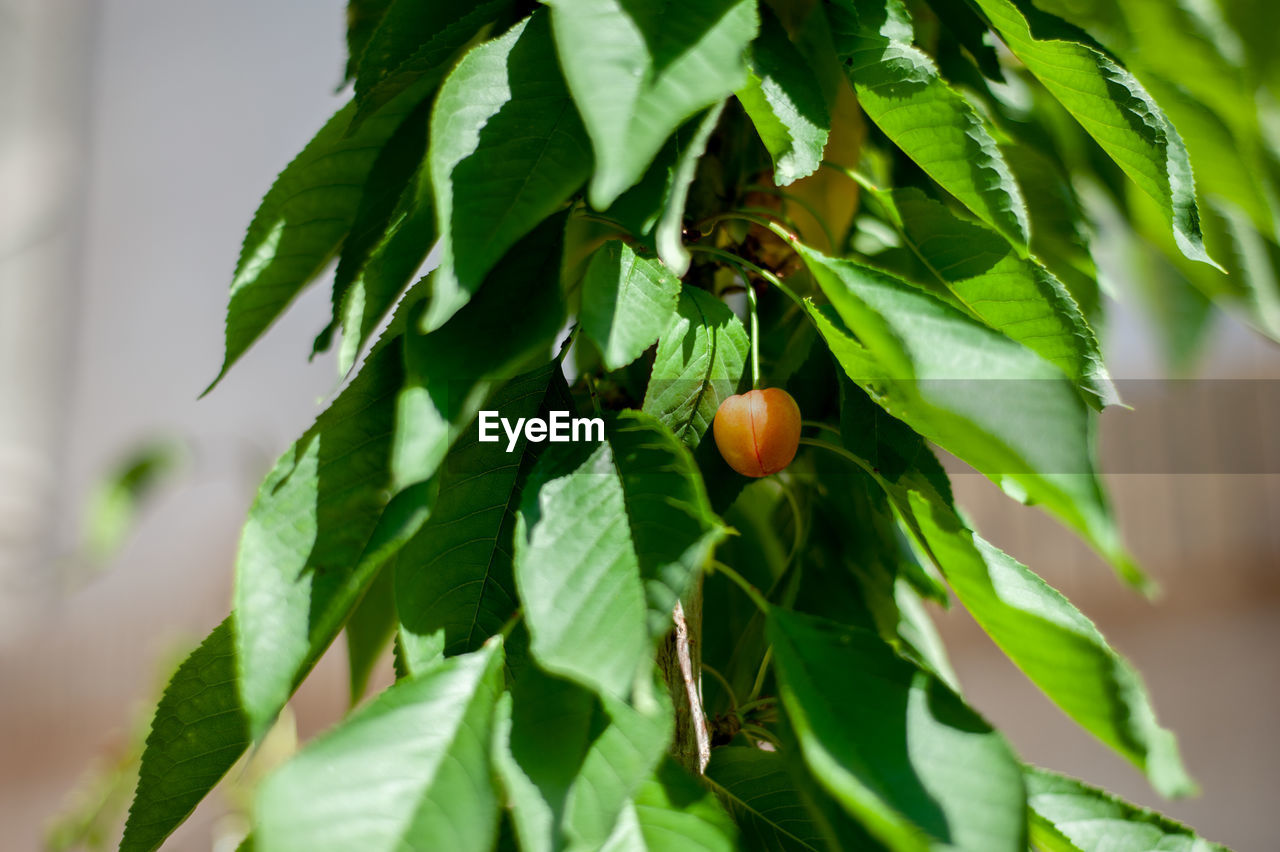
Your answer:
<point x="526" y="158"/>
<point x="672" y="30"/>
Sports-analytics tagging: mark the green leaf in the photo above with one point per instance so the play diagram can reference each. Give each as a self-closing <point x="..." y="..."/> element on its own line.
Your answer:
<point x="1056" y="646"/>
<point x="409" y="770"/>
<point x="1177" y="291"/>
<point x="1059" y="649"/>
<point x="1228" y="164"/>
<point x="900" y="751"/>
<point x="700" y="358"/>
<point x="840" y="831"/>
<point x="113" y="505"/>
<point x="369" y="630"/>
<point x="508" y="329"/>
<point x="919" y="635"/>
<point x="198" y="733"/>
<point x="1212" y="54"/>
<point x="577" y="573"/>
<point x="316" y="535"/>
<point x="627" y="301"/>
<point x="374" y="268"/>
<point x="454" y="587"/>
<point x="1060" y="230"/>
<point x="1193" y="64"/>
<point x="1014" y="295"/>
<point x="1112" y="106"/>
<point x="305" y="217"/>
<point x="500" y="163"/>
<point x="785" y="103"/>
<point x="899" y="89"/>
<point x="1068" y="816"/>
<point x="867" y="579"/>
<point x="655" y="207"/>
<point x="570" y="761"/>
<point x="1189" y="58"/>
<point x="602" y="531"/>
<point x="673" y="813"/>
<point x="391" y="264"/>
<point x="673" y="529"/>
<point x="669" y="234"/>
<point x="732" y="640"/>
<point x="960" y="22"/>
<point x="638" y="71"/>
<point x="974" y="392"/>
<point x="888" y="445"/>
<point x="362" y="19"/>
<point x="1257" y="260"/>
<point x="640" y="207"/>
<point x="1174" y="291"/>
<point x="757" y="788"/>
<point x="415" y="45"/>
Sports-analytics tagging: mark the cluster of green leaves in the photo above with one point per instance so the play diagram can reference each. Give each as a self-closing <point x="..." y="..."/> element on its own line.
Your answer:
<point x="907" y="189"/>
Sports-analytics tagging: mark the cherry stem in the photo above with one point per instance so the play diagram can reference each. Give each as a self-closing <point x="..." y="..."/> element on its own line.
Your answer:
<point x="591" y="389"/>
<point x="798" y="539"/>
<point x="725" y="685"/>
<point x="759" y="702"/>
<point x="761" y="216"/>
<point x="743" y="263"/>
<point x="799" y="202"/>
<point x="818" y="424"/>
<point x="760" y="675"/>
<point x="753" y="310"/>
<point x="889" y="211"/>
<point x="752" y="592"/>
<point x="761" y="734"/>
<point x="511" y="623"/>
<point x="838" y="450"/>
<point x="854" y="175"/>
<point x="601" y="220"/>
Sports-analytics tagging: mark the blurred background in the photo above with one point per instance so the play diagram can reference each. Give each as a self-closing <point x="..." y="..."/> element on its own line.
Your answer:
<point x="136" y="138"/>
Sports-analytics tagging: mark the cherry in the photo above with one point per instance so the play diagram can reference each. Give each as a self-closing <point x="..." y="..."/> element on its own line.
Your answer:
<point x="758" y="432"/>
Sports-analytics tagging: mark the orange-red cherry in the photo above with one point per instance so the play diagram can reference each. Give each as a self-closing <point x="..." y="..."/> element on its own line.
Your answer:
<point x="758" y="432"/>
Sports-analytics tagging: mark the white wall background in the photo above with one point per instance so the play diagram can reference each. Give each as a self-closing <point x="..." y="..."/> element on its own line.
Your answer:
<point x="192" y="108"/>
